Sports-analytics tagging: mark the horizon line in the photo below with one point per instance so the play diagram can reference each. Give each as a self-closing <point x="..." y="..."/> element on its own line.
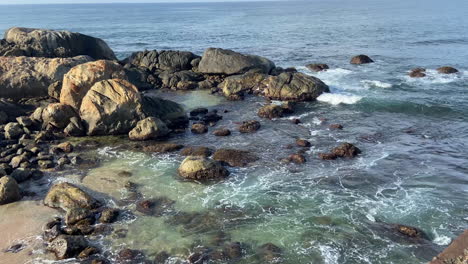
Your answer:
<point x="161" y="2"/>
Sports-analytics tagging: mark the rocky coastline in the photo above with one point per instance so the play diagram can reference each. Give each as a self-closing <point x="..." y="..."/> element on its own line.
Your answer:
<point x="60" y="92"/>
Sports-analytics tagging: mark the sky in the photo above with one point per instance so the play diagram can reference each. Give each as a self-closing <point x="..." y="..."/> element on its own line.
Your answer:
<point x="3" y="2"/>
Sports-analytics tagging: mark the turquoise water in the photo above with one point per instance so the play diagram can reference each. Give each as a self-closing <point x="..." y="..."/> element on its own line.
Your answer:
<point x="413" y="132"/>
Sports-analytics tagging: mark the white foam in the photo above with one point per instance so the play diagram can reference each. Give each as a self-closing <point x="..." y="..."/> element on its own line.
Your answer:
<point x="434" y="77"/>
<point x="371" y="84"/>
<point x="336" y="99"/>
<point x="442" y="240"/>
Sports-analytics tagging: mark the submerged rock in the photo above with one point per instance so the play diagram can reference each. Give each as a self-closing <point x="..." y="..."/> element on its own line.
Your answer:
<point x="222" y="132"/>
<point x="250" y="126"/>
<point x="234" y="157"/>
<point x="162" y="147"/>
<point x="294" y="87"/>
<point x="9" y="190"/>
<point x="447" y="70"/>
<point x="33" y="42"/>
<point x="155" y="207"/>
<point x="317" y="67"/>
<point x="417" y="73"/>
<point x="297" y="158"/>
<point x="221" y="61"/>
<point x="303" y="143"/>
<point x="269" y="253"/>
<point x="67" y="196"/>
<point x="196" y="151"/>
<point x="361" y="59"/>
<point x="271" y="111"/>
<point x="201" y="168"/>
<point x="345" y="150"/>
<point x="149" y="128"/>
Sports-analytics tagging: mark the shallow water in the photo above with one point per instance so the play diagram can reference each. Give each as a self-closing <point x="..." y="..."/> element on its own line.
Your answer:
<point x="412" y="131"/>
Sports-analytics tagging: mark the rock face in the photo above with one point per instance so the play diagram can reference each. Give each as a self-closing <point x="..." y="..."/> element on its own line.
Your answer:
<point x="23" y="77"/>
<point x="294" y="87"/>
<point x="235" y="157"/>
<point x="361" y="59"/>
<point x="79" y="80"/>
<point x="67" y="196"/>
<point x="111" y="107"/>
<point x="221" y="61"/>
<point x="317" y="67"/>
<point x="149" y="128"/>
<point x="168" y="60"/>
<point x="182" y="80"/>
<point x="201" y="169"/>
<point x="51" y="44"/>
<point x="236" y="85"/>
<point x="9" y="190"/>
<point x="447" y="70"/>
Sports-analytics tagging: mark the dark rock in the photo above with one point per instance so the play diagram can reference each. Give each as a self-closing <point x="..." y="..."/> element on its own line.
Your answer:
<point x="410" y="231"/>
<point x="447" y="70"/>
<point x="108" y="215"/>
<point x="199" y="128"/>
<point x="162" y="147"/>
<point x="222" y="132"/>
<point x="130" y="255"/>
<point x="317" y="67"/>
<point x="24" y="121"/>
<point x="249" y="126"/>
<point x="76" y="215"/>
<point x="417" y="73"/>
<point x="166" y="60"/>
<point x="87" y="252"/>
<point x="67" y="246"/>
<point x="234" y="157"/>
<point x="296" y="121"/>
<point x="24" y="174"/>
<point x="15" y="248"/>
<point x="9" y="190"/>
<point x="336" y="126"/>
<point x="327" y="156"/>
<point x="199" y="111"/>
<point x="303" y="143"/>
<point x="297" y="158"/>
<point x="45" y="164"/>
<point x="54" y="90"/>
<point x="294" y="87"/>
<point x="234" y="87"/>
<point x="361" y="59"/>
<point x="13" y="131"/>
<point x="211" y="117"/>
<point x="196" y="151"/>
<point x="161" y="257"/>
<point x="271" y="111"/>
<point x="155" y="207"/>
<point x="269" y="253"/>
<point x="346" y="150"/>
<point x="233" y="250"/>
<point x="183" y="80"/>
<point x="201" y="168"/>
<point x="75" y="128"/>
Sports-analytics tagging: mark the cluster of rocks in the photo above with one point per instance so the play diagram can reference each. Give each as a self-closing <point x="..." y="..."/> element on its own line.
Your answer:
<point x="421" y="72"/>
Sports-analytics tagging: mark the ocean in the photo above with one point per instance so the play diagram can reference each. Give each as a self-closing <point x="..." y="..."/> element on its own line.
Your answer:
<point x="413" y="132"/>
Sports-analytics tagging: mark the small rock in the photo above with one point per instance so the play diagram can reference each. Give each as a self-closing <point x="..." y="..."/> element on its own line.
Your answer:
<point x="199" y="111"/>
<point x="9" y="190"/>
<point x="196" y="151"/>
<point x="63" y="161"/>
<point x="87" y="252"/>
<point x="417" y="73"/>
<point x="346" y="150"/>
<point x="161" y="257"/>
<point x="303" y="143"/>
<point x="447" y="70"/>
<point x="108" y="215"/>
<point x="249" y="126"/>
<point x="199" y="128"/>
<point x="13" y="131"/>
<point x="222" y="132"/>
<point x="66" y="147"/>
<point x="149" y="128"/>
<point x="67" y="246"/>
<point x="327" y="156"/>
<point x="296" y="121"/>
<point x="317" y="67"/>
<point x="361" y="59"/>
<point x="336" y="127"/>
<point x="271" y="111"/>
<point x="269" y="252"/>
<point x="45" y="164"/>
<point x="297" y="158"/>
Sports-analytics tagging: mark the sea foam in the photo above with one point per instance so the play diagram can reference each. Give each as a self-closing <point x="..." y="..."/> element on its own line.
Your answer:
<point x="371" y="84"/>
<point x="336" y="99"/>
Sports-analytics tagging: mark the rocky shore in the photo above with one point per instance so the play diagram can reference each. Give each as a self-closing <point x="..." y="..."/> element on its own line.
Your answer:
<point x="60" y="92"/>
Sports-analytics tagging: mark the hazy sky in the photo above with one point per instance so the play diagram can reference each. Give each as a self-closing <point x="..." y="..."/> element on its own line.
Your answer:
<point x="105" y="1"/>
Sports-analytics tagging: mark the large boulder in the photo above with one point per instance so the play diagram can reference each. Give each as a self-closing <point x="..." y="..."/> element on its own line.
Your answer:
<point x="78" y="81"/>
<point x="182" y="80"/>
<point x="171" y="113"/>
<point x="23" y="77"/>
<point x="51" y="44"/>
<point x="57" y="115"/>
<point x="202" y="169"/>
<point x="234" y="86"/>
<point x="67" y="196"/>
<point x="222" y="61"/>
<point x="9" y="190"/>
<point x="111" y="107"/>
<point x="149" y="128"/>
<point x="167" y="60"/>
<point x="361" y="59"/>
<point x="294" y="87"/>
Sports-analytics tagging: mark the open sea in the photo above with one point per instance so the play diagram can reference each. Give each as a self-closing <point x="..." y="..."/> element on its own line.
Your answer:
<point x="413" y="132"/>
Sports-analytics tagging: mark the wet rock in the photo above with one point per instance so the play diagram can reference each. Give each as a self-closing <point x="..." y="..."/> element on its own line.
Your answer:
<point x="156" y="207"/>
<point x="410" y="231"/>
<point x="294" y="87"/>
<point x="9" y="190"/>
<point x="233" y="250"/>
<point x="45" y="164"/>
<point x="269" y="253"/>
<point x="222" y="132"/>
<point x="57" y="115"/>
<point x="327" y="156"/>
<point x="24" y="77"/>
<point x="211" y="117"/>
<point x="271" y="111"/>
<point x="234" y="157"/>
<point x="17" y="160"/>
<point x="417" y="73"/>
<point x="200" y="168"/>
<point x="296" y="121"/>
<point x="162" y="147"/>
<point x="303" y="143"/>
<point x="67" y="196"/>
<point x="108" y="215"/>
<point x="87" y="252"/>
<point x="234" y="87"/>
<point x="75" y="215"/>
<point x="199" y="128"/>
<point x="24" y="174"/>
<point x="250" y="126"/>
<point x="199" y="111"/>
<point x="221" y="61"/>
<point x="346" y="150"/>
<point x="13" y="131"/>
<point x="130" y="255"/>
<point x="335" y="127"/>
<point x="361" y="59"/>
<point x="15" y="248"/>
<point x="149" y="128"/>
<point x="196" y="151"/>
<point x="317" y="67"/>
<point x="111" y="107"/>
<point x="125" y="174"/>
<point x="182" y="80"/>
<point x="161" y="257"/>
<point x="297" y="158"/>
<point x="447" y="70"/>
<point x="52" y="43"/>
<point x="67" y="246"/>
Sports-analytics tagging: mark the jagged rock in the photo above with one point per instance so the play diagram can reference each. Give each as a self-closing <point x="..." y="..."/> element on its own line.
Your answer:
<point x="75" y="215"/>
<point x="149" y="128"/>
<point x="221" y="61"/>
<point x="271" y="111"/>
<point x="167" y="60"/>
<point x="79" y="80"/>
<point x="57" y="115"/>
<point x="250" y="126"/>
<point x="235" y="86"/>
<point x="55" y="89"/>
<point x="361" y="59"/>
<point x="9" y="190"/>
<point x="67" y="196"/>
<point x="24" y="77"/>
<point x="317" y="67"/>
<point x="294" y="87"/>
<point x="201" y="168"/>
<point x="51" y="43"/>
<point x="235" y="157"/>
<point x="65" y="246"/>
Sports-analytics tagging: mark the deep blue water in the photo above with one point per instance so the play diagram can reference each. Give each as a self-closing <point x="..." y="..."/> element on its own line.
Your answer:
<point x="413" y="132"/>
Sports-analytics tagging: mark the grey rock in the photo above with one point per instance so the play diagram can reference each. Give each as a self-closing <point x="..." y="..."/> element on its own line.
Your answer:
<point x="149" y="128"/>
<point x="294" y="87"/>
<point x="13" y="131"/>
<point x="9" y="190"/>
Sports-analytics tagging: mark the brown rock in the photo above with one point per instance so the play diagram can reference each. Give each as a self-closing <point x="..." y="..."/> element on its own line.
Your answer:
<point x="222" y="132"/>
<point x="162" y="147"/>
<point x="297" y="158"/>
<point x="234" y="157"/>
<point x="294" y="86"/>
<point x="346" y="150"/>
<point x="336" y="126"/>
<point x="303" y="143"/>
<point x="455" y="253"/>
<point x="196" y="151"/>
<point x="361" y="59"/>
<point x="417" y="73"/>
<point x="250" y="126"/>
<point x="271" y="111"/>
<point x="447" y="70"/>
<point x="199" y="128"/>
<point x="327" y="156"/>
<point x="317" y="67"/>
